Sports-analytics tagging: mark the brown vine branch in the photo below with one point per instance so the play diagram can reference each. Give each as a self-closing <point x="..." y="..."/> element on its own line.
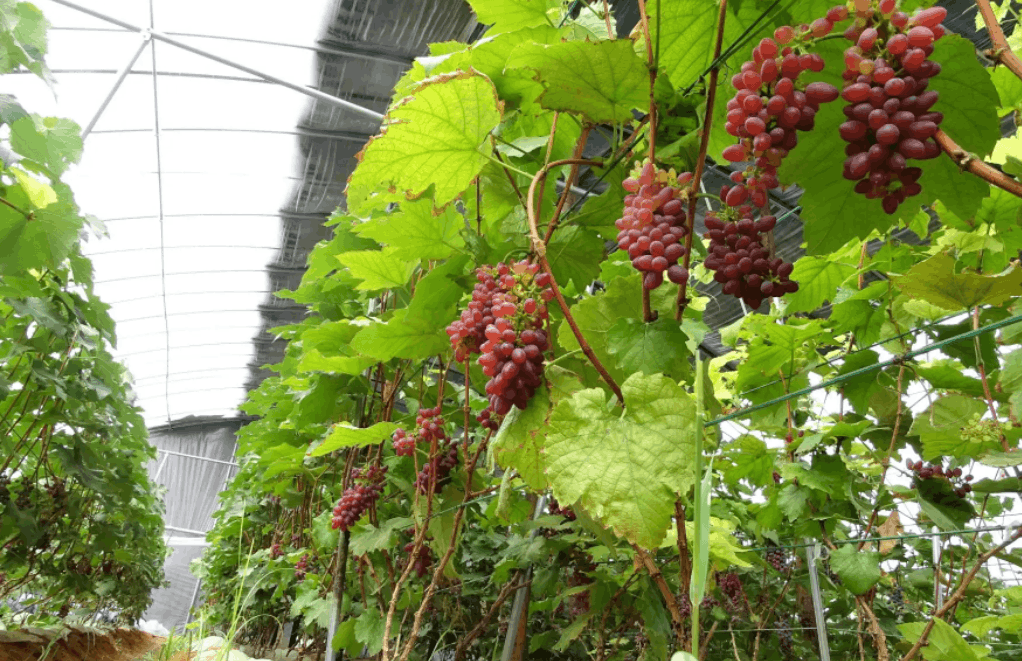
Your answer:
<point x="704" y="145"/>
<point x="959" y="592"/>
<point x="665" y="590"/>
<point x="539" y="247"/>
<point x="1002" y="51"/>
<point x="569" y="182"/>
<point x="976" y="166"/>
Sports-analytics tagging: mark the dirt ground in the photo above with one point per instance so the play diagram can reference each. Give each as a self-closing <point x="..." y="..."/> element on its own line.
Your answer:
<point x="38" y="645"/>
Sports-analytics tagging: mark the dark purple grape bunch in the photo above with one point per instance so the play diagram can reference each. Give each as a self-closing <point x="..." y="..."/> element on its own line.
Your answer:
<point x="777" y="559"/>
<point x="439" y="465"/>
<point x="897" y="599"/>
<point x="890" y="116"/>
<point x="276" y="551"/>
<point x="740" y="261"/>
<point x="784" y="637"/>
<point x="302" y="567"/>
<point x="962" y="486"/>
<point x="512" y="355"/>
<point x="422" y="560"/>
<point x="358" y="498"/>
<point x="578" y="604"/>
<point x="653" y="225"/>
<point x="771" y="105"/>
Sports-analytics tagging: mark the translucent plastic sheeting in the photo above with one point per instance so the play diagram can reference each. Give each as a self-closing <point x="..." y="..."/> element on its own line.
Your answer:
<point x="192" y="213"/>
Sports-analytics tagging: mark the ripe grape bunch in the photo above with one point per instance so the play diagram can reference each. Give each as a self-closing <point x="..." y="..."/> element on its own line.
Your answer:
<point x="358" y="498"/>
<point x="512" y="355"/>
<point x="739" y="259"/>
<point x="776" y="558"/>
<point x="889" y="108"/>
<point x="302" y="567"/>
<point x="652" y="227"/>
<point x="731" y="587"/>
<point x="429" y="425"/>
<point x="440" y="465"/>
<point x="771" y="106"/>
<point x="422" y="560"/>
<point x="936" y="471"/>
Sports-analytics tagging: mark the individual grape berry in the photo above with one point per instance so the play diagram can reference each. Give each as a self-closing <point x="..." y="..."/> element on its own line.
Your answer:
<point x="888" y="104"/>
<point x="652" y="228"/>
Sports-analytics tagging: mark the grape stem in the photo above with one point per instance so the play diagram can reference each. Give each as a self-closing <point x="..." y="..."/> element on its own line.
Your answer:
<point x="976" y="166"/>
<point x="539" y="247"/>
<point x="1002" y="51"/>
<point x="704" y="146"/>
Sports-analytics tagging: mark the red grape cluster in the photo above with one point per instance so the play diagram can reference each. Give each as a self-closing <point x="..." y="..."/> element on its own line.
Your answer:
<point x="731" y="587"/>
<point x="422" y="560"/>
<point x="515" y="341"/>
<point x="579" y="601"/>
<point x="468" y="333"/>
<point x="936" y="471"/>
<point x="276" y="551"/>
<point x="359" y="497"/>
<point x="771" y="106"/>
<point x="652" y="227"/>
<point x="429" y="425"/>
<point x="555" y="508"/>
<point x="486" y="421"/>
<point x="302" y="567"/>
<point x="441" y="465"/>
<point x="740" y="261"/>
<point x="775" y="558"/>
<point x="889" y="109"/>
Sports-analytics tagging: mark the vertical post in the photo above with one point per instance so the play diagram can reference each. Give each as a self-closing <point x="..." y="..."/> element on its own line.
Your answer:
<point x="159" y="469"/>
<point x="938" y="592"/>
<point x="812" y="553"/>
<point x="518" y="624"/>
<point x="337" y="603"/>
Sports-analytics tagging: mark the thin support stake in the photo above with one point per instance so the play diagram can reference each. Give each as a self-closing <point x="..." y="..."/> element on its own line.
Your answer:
<point x="121" y="75"/>
<point x="938" y="593"/>
<point x="514" y="642"/>
<point x="812" y="553"/>
<point x="159" y="469"/>
<point x="308" y="91"/>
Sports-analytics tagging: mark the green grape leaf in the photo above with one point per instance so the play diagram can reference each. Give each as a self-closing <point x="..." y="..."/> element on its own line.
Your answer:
<point x="938" y="500"/>
<point x="858" y="570"/>
<point x="38" y="193"/>
<point x="655" y="348"/>
<point x="574" y="254"/>
<point x="521" y="438"/>
<point x="625" y="468"/>
<point x="508" y="15"/>
<point x="935" y="281"/>
<point x="370" y="627"/>
<point x="343" y="435"/>
<point x="604" y="80"/>
<point x="378" y="269"/>
<point x="968" y="97"/>
<point x="44" y="239"/>
<point x="404" y="336"/>
<point x="436" y="137"/>
<point x="686" y="31"/>
<point x="416" y="232"/>
<point x="939" y="428"/>
<point x="818" y="281"/>
<point x="595" y="315"/>
<point x="53" y="142"/>
<point x="943" y="642"/>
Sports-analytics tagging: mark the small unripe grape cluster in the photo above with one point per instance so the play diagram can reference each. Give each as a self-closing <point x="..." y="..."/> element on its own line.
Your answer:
<point x="936" y="471"/>
<point x="358" y="498"/>
<point x="739" y="259"/>
<point x="512" y="355"/>
<point x="441" y="465"/>
<point x="889" y="108"/>
<point x="429" y="425"/>
<point x="652" y="227"/>
<point x="771" y="106"/>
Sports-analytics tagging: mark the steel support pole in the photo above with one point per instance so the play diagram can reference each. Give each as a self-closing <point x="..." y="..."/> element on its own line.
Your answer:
<point x="200" y="458"/>
<point x="812" y="553"/>
<point x="121" y="75"/>
<point x="938" y="595"/>
<point x="308" y="91"/>
<point x="159" y="469"/>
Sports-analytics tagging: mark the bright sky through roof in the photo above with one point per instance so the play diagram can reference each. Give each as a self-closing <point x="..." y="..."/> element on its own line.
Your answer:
<point x="228" y="160"/>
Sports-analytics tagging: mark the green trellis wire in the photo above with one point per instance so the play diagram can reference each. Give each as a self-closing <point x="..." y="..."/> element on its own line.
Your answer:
<point x="839" y="542"/>
<point x="865" y="370"/>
